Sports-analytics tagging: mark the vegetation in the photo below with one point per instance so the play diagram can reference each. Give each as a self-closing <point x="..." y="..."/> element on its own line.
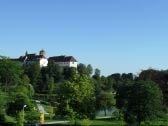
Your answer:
<point x="139" y="101"/>
<point x="77" y="94"/>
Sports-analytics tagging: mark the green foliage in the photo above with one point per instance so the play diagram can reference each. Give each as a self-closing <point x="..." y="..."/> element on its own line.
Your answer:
<point x="2" y="102"/>
<point x="108" y="84"/>
<point x="22" y="89"/>
<point x="2" y="117"/>
<point x="89" y="69"/>
<point x="20" y="119"/>
<point x="50" y="83"/>
<point x="10" y="73"/>
<point x="53" y="70"/>
<point x="32" y="116"/>
<point x="159" y="77"/>
<point x="69" y="73"/>
<point x="96" y="75"/>
<point x="139" y="101"/>
<point x="33" y="72"/>
<point x="18" y="100"/>
<point x="105" y="101"/>
<point x="31" y="90"/>
<point x="75" y="94"/>
<point x="118" y="115"/>
<point x="82" y="69"/>
<point x="128" y="76"/>
<point x="10" y="121"/>
<point x="78" y="95"/>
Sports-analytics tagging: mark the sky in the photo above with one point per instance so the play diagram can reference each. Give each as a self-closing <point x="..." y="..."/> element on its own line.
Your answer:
<point x="115" y="36"/>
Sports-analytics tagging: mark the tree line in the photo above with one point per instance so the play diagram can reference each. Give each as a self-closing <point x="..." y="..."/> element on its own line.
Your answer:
<point x="80" y="93"/>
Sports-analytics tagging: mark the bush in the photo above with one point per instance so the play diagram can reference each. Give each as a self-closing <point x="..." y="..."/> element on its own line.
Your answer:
<point x="32" y="116"/>
<point x="2" y="118"/>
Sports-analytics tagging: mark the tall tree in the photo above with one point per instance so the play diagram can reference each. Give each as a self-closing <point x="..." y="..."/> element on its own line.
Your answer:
<point x="82" y="69"/>
<point x="89" y="69"/>
<point x="128" y="76"/>
<point x="96" y="74"/>
<point x="50" y="84"/>
<point x="139" y="101"/>
<point x="55" y="71"/>
<point x="69" y="73"/>
<point x="159" y="77"/>
<point x="10" y="73"/>
<point x="33" y="71"/>
<point x="77" y="95"/>
<point x="17" y="101"/>
<point x="105" y="101"/>
<point x="3" y="101"/>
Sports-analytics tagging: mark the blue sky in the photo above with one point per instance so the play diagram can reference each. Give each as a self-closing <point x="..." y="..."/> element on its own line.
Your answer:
<point x="112" y="35"/>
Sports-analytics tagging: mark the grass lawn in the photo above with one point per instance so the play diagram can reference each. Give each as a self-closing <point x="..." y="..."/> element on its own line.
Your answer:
<point x="98" y="123"/>
<point x="117" y="123"/>
<point x="107" y="123"/>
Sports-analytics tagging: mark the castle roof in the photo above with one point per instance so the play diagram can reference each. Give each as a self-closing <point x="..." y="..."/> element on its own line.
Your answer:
<point x="62" y="59"/>
<point x="29" y="57"/>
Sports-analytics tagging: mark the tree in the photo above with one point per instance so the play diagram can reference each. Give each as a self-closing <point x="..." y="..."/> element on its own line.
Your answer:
<point x="109" y="84"/>
<point x="97" y="81"/>
<point x="116" y="76"/>
<point x="32" y="116"/>
<point x="96" y="74"/>
<point x="3" y="101"/>
<point x="85" y="70"/>
<point x="54" y="70"/>
<point x="10" y="73"/>
<point x="33" y="72"/>
<point x="77" y="96"/>
<point x="89" y="69"/>
<point x="50" y="84"/>
<point x="25" y="87"/>
<point x="128" y="76"/>
<point x="105" y="101"/>
<point x="159" y="77"/>
<point x="82" y="69"/>
<point x="139" y="101"/>
<point x="20" y="119"/>
<point x="17" y="101"/>
<point x="69" y="73"/>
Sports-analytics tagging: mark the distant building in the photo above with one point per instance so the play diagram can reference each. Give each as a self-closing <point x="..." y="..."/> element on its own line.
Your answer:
<point x="64" y="61"/>
<point x="32" y="58"/>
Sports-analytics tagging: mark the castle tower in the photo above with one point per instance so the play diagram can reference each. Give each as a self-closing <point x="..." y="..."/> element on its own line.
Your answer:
<point x="42" y="52"/>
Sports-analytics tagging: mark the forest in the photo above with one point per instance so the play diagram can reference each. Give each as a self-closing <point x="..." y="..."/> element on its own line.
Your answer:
<point x="77" y="94"/>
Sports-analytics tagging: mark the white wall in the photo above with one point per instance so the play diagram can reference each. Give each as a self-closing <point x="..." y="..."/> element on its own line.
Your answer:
<point x="73" y="64"/>
<point x="43" y="62"/>
<point x="67" y="64"/>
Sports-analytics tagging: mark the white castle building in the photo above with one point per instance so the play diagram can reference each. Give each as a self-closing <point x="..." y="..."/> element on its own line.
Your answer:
<point x="64" y="61"/>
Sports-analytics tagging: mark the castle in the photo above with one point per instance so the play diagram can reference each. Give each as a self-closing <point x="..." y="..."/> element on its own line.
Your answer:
<point x="64" y="61"/>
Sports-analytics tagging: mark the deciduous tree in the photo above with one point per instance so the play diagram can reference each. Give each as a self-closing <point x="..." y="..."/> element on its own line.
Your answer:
<point x="10" y="73"/>
<point x="139" y="101"/>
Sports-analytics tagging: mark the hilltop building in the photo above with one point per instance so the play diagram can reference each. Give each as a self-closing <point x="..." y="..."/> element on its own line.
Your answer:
<point x="64" y="61"/>
<point x="32" y="58"/>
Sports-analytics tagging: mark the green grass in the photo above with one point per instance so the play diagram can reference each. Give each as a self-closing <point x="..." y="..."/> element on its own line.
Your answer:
<point x="156" y="123"/>
<point x="10" y="119"/>
<point x="103" y="122"/>
<point x="107" y="123"/>
<point x="86" y="122"/>
<point x="116" y="123"/>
